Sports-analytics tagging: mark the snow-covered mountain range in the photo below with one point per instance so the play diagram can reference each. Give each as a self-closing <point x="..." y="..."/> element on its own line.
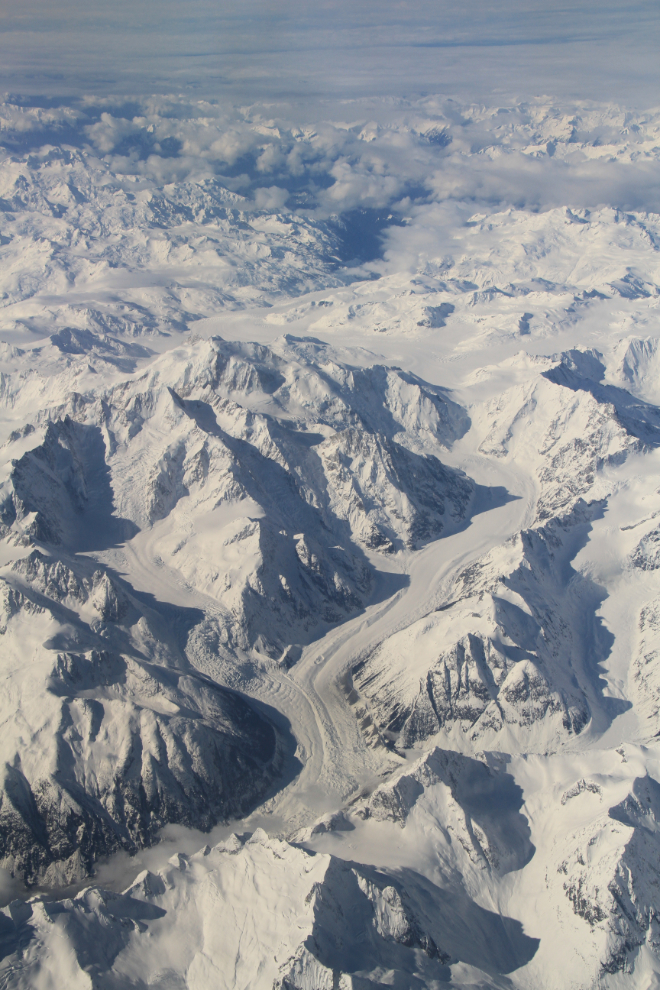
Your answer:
<point x="329" y="547"/>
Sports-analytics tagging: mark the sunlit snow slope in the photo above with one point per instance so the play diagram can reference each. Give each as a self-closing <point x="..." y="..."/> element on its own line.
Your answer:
<point x="330" y="528"/>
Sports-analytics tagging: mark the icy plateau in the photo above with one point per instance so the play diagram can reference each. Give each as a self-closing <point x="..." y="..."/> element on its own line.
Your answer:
<point x="329" y="547"/>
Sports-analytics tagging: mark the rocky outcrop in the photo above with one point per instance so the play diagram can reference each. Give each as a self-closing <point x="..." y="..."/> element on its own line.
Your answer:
<point x="108" y="732"/>
<point x="609" y="872"/>
<point x="311" y="920"/>
<point x="505" y="651"/>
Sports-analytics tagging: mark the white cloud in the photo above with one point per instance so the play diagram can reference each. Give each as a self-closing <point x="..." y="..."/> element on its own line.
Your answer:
<point x="371" y="154"/>
<point x="270" y="49"/>
<point x="271" y="198"/>
<point x="109" y="131"/>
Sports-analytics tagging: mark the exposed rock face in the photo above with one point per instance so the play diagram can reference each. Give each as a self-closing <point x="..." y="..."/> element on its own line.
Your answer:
<point x="414" y="629"/>
<point x="646" y="554"/>
<point x="512" y="646"/>
<point x="609" y="872"/>
<point x="505" y="651"/>
<point x="290" y="463"/>
<point x="262" y="476"/>
<point x="311" y="920"/>
<point x="472" y="804"/>
<point x="109" y="733"/>
<point x="389" y="495"/>
<point x="570" y="426"/>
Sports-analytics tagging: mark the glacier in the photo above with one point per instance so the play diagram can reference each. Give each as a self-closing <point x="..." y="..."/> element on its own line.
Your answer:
<point x="329" y="545"/>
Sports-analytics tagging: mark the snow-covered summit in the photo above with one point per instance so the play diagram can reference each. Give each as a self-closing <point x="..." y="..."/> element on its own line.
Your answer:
<point x="329" y="526"/>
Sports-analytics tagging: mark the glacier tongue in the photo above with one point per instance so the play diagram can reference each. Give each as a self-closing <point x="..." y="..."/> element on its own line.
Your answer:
<point x="226" y="461"/>
<point x="352" y="569"/>
<point x="311" y="448"/>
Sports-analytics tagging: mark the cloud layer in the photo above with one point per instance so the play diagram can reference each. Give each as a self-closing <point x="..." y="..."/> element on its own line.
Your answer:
<point x="373" y="155"/>
<point x="260" y="49"/>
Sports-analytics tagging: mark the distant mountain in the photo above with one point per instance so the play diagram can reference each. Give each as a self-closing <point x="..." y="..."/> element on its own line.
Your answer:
<point x="329" y="528"/>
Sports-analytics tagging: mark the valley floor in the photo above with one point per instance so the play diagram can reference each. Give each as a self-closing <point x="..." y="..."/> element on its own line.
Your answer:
<point x="329" y="583"/>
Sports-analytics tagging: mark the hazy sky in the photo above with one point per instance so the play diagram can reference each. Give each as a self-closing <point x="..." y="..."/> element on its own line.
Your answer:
<point x="333" y="48"/>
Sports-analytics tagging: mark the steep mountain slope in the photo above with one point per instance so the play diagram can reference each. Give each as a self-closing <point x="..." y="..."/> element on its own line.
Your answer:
<point x="108" y="732"/>
<point x="309" y="920"/>
<point x="517" y="641"/>
<point x="289" y="463"/>
<point x="260" y="477"/>
<point x="374" y="601"/>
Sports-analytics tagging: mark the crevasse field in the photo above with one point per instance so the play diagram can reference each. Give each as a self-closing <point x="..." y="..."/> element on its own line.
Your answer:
<point x="330" y="503"/>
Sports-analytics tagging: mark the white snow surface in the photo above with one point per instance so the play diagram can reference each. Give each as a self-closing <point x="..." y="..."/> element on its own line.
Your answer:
<point x="330" y="564"/>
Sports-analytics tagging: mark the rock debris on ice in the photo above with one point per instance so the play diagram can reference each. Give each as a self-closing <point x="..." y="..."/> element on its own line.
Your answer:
<point x="329" y="526"/>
